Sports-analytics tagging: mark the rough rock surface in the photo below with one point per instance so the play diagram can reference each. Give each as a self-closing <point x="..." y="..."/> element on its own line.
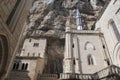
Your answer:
<point x="48" y="18"/>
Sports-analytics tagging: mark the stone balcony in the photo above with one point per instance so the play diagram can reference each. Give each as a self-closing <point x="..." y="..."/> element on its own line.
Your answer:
<point x="110" y="73"/>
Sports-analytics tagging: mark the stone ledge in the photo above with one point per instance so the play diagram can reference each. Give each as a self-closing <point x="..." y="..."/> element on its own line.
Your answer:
<point x="84" y="32"/>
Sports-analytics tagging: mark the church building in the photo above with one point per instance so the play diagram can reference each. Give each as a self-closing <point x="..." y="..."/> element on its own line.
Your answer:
<point x="89" y="54"/>
<point x="91" y="51"/>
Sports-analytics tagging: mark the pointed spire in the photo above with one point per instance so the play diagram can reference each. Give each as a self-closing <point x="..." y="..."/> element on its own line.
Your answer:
<point x="78" y="20"/>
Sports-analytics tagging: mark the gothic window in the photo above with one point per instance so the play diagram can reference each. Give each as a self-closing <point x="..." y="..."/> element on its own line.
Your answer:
<point x="114" y="30"/>
<point x="89" y="46"/>
<point x="36" y="44"/>
<point x="91" y="60"/>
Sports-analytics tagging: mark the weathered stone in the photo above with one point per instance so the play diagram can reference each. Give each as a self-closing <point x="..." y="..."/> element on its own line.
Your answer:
<point x="48" y="19"/>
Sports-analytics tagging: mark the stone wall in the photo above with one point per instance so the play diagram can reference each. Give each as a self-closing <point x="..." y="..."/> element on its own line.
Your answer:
<point x="84" y="52"/>
<point x="91" y="45"/>
<point x="111" y="14"/>
<point x="35" y="67"/>
<point x="48" y="19"/>
<point x="34" y="47"/>
<point x="11" y="27"/>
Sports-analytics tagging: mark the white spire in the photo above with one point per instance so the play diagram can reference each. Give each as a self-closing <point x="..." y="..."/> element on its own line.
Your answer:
<point x="78" y="20"/>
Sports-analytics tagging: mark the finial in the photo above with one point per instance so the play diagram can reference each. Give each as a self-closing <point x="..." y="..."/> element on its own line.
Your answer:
<point x="78" y="20"/>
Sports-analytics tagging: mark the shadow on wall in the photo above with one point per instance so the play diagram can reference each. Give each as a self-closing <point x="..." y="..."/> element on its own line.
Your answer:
<point x="19" y="75"/>
<point x="55" y="50"/>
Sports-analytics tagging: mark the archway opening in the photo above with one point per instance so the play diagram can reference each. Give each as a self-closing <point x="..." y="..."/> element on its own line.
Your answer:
<point x="3" y="55"/>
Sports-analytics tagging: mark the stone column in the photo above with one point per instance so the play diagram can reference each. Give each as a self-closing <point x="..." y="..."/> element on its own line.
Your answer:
<point x="68" y="55"/>
<point x="77" y="55"/>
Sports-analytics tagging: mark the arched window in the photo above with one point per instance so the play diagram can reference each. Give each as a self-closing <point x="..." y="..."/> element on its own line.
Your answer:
<point x="26" y="66"/>
<point x="14" y="66"/>
<point x="17" y="66"/>
<point x="89" y="46"/>
<point x="114" y="31"/>
<point x="91" y="60"/>
<point x="23" y="65"/>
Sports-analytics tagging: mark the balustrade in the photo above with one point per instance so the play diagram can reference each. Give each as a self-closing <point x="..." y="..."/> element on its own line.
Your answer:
<point x="111" y="72"/>
<point x="76" y="76"/>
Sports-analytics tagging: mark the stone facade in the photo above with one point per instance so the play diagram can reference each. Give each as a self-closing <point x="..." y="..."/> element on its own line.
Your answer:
<point x="34" y="47"/>
<point x="35" y="67"/>
<point x="82" y="50"/>
<point x="109" y="25"/>
<point x="13" y="14"/>
<point x="31" y="61"/>
<point x="87" y="51"/>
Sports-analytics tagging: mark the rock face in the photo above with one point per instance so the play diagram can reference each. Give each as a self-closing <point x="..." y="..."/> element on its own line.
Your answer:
<point x="47" y="19"/>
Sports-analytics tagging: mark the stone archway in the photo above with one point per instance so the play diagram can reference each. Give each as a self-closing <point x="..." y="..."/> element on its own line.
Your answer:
<point x="116" y="55"/>
<point x="3" y="55"/>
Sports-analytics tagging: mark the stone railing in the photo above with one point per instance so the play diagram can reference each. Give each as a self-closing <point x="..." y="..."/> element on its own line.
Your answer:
<point x="112" y="72"/>
<point x="109" y="72"/>
<point x="47" y="77"/>
<point x="76" y="76"/>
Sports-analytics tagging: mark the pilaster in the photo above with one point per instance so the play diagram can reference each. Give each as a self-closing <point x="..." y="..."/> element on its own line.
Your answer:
<point x="77" y="56"/>
<point x="68" y="55"/>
